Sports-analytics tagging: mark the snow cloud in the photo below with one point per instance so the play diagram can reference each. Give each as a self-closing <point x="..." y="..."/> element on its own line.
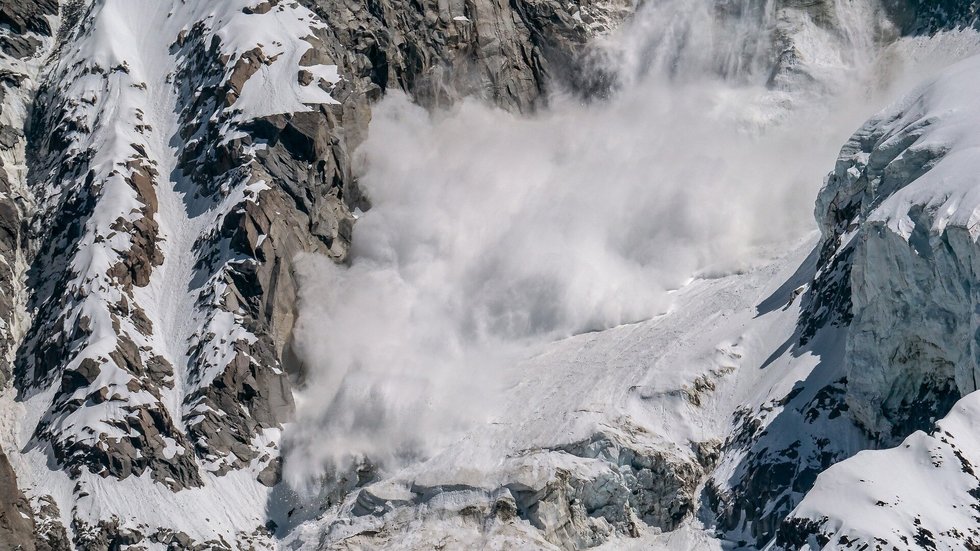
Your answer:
<point x="491" y="233"/>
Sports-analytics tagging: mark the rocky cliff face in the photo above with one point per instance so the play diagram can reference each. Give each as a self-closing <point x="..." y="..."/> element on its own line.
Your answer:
<point x="504" y="52"/>
<point x="26" y="37"/>
<point x="929" y="16"/>
<point x="16" y="517"/>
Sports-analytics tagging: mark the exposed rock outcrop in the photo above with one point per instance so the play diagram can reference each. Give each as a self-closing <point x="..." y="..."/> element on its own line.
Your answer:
<point x="16" y="517"/>
<point x="928" y="16"/>
<point x="49" y="533"/>
<point x="505" y="52"/>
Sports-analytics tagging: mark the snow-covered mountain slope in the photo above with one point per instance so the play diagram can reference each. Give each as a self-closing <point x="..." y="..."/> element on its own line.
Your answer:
<point x="919" y="495"/>
<point x="903" y="206"/>
<point x="178" y="190"/>
<point x="139" y="363"/>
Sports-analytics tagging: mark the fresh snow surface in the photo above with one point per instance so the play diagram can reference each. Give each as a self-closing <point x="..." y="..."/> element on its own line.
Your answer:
<point x="921" y="491"/>
<point x="947" y="110"/>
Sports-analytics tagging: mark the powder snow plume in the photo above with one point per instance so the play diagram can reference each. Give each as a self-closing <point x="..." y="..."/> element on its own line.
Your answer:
<point x="490" y="234"/>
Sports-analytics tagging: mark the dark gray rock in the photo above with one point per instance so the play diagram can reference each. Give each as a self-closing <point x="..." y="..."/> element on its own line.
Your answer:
<point x="106" y="535"/>
<point x="16" y="517"/>
<point x="49" y="533"/>
<point x="923" y="17"/>
<point x="28" y="16"/>
<point x="19" y="46"/>
<point x="505" y="52"/>
<point x="272" y="473"/>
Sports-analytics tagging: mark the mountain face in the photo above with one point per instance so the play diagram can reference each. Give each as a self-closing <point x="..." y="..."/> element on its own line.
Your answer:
<point x="165" y="166"/>
<point x="902" y="193"/>
<point x="164" y="163"/>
